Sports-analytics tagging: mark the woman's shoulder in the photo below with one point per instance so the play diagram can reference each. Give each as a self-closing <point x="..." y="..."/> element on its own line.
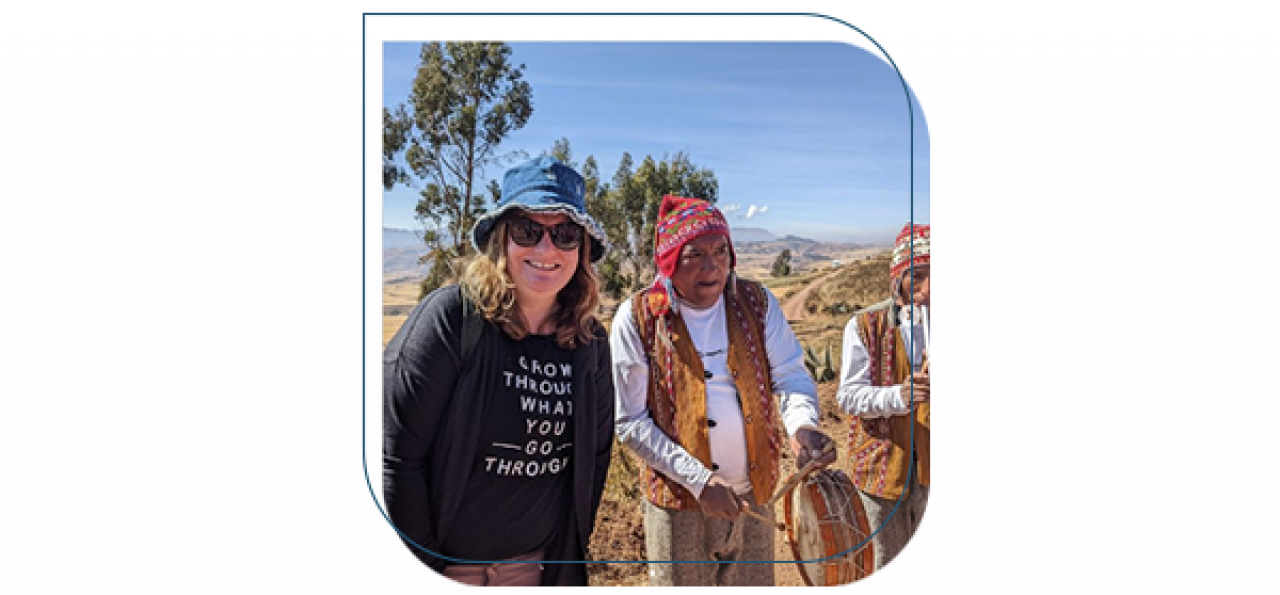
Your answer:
<point x="448" y="302"/>
<point x="438" y="310"/>
<point x="445" y="298"/>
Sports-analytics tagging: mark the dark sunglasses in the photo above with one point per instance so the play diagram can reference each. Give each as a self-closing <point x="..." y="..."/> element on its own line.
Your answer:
<point x="527" y="233"/>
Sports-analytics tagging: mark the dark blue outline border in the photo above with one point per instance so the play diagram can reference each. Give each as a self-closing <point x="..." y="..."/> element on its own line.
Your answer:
<point x="364" y="272"/>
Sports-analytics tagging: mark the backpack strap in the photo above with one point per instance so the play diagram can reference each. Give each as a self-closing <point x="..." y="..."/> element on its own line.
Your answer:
<point x="472" y="327"/>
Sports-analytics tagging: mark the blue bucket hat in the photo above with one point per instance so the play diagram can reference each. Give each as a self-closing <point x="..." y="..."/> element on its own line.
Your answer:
<point x="543" y="185"/>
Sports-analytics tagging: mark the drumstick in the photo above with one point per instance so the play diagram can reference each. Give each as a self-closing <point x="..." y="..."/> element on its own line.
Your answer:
<point x="795" y="478"/>
<point x="760" y="517"/>
<point x="787" y="486"/>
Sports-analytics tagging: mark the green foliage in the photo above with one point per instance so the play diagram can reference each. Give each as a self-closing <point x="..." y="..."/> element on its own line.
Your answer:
<point x="782" y="265"/>
<point x="628" y="210"/>
<point x="821" y="369"/>
<point x="562" y="152"/>
<point x="829" y="371"/>
<point x="445" y="268"/>
<point x="811" y="361"/>
<point x="838" y="309"/>
<point x="466" y="98"/>
<point x="613" y="282"/>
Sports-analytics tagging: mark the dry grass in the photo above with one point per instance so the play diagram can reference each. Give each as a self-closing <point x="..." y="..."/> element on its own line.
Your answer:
<point x="391" y="324"/>
<point x="399" y="296"/>
<point x="619" y="532"/>
<point x="400" y="290"/>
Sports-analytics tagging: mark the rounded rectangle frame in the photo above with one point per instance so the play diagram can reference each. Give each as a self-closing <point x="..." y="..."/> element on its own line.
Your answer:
<point x="365" y="17"/>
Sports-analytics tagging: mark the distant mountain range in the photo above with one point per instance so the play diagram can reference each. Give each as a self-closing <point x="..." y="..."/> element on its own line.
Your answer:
<point x="401" y="248"/>
<point x="400" y="238"/>
<point x="752" y="234"/>
<point x="742" y="235"/>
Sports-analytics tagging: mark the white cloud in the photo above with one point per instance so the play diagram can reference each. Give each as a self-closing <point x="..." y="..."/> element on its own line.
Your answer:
<point x="754" y="210"/>
<point x="729" y="209"/>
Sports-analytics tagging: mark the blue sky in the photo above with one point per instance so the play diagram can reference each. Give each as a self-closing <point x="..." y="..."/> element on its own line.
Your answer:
<point x="816" y="133"/>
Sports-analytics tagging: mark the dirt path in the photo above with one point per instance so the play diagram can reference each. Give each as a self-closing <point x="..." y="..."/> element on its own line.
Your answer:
<point x="793" y="308"/>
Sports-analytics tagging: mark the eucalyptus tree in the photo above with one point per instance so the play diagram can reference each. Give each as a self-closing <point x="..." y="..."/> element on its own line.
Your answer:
<point x="467" y="97"/>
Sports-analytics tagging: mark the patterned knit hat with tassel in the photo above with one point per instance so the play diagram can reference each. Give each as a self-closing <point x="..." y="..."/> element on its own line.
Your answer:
<point x="681" y="220"/>
<point x="911" y="248"/>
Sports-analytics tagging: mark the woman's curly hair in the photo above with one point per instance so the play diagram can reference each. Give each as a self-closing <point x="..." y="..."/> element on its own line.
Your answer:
<point x="487" y="284"/>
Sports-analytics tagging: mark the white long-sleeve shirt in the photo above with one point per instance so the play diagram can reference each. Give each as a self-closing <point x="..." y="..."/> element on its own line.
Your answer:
<point x="856" y="395"/>
<point x="796" y="392"/>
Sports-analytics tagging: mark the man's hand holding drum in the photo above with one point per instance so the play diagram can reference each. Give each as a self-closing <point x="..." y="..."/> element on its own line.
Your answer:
<point x="811" y="444"/>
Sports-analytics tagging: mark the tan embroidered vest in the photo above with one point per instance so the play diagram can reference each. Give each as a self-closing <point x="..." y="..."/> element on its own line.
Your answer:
<point x="677" y="394"/>
<point x="880" y="448"/>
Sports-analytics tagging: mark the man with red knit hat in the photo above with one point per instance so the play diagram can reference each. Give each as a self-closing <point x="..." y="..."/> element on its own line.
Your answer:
<point x="707" y="373"/>
<point x="884" y="383"/>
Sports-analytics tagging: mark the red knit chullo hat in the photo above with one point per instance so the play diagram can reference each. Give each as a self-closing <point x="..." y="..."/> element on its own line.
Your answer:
<point x="911" y="248"/>
<point x="681" y="220"/>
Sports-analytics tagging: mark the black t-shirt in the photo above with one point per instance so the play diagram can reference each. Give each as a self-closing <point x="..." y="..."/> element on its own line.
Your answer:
<point x="518" y="495"/>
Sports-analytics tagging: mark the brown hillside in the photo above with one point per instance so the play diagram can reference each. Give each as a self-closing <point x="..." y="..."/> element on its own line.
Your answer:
<point x="855" y="286"/>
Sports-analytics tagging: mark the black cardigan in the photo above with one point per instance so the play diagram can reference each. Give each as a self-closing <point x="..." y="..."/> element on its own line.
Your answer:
<point x="432" y="407"/>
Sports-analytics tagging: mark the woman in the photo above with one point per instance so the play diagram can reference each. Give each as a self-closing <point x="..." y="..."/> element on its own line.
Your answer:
<point x="498" y="399"/>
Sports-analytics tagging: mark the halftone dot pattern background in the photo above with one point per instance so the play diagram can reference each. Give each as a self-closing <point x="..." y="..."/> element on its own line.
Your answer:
<point x="182" y="363"/>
